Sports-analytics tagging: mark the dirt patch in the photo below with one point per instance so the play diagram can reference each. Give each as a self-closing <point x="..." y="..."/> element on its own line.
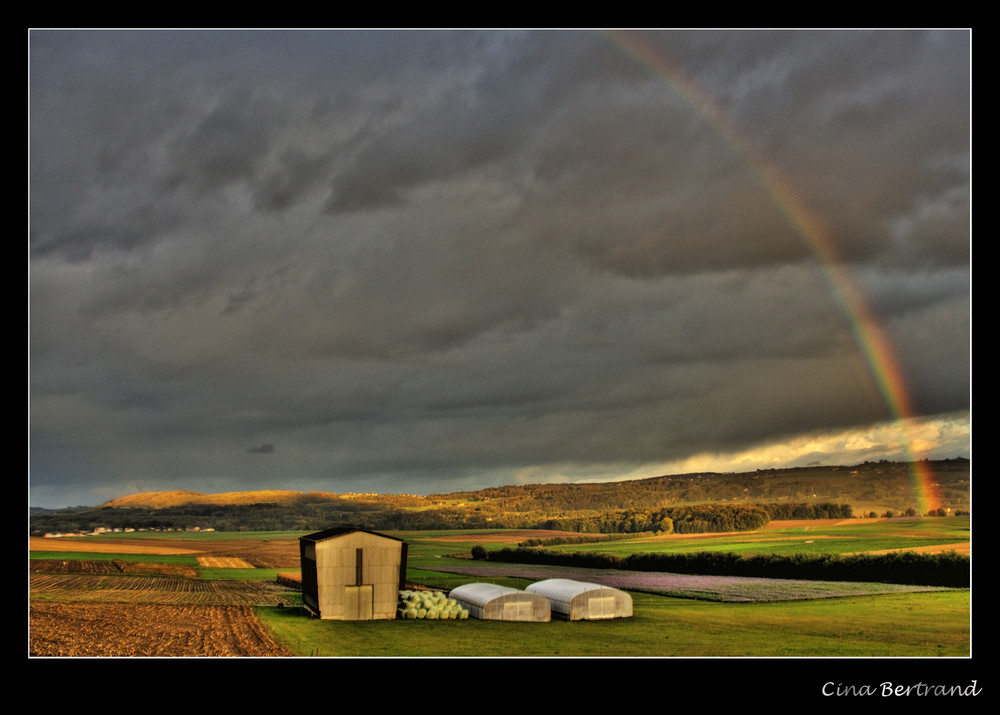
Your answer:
<point x="124" y="630"/>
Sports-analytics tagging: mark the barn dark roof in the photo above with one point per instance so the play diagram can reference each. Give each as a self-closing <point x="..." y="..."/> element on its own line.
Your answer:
<point x="340" y="531"/>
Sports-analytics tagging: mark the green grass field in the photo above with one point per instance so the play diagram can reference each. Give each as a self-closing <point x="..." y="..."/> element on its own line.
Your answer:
<point x="833" y="539"/>
<point x="926" y="625"/>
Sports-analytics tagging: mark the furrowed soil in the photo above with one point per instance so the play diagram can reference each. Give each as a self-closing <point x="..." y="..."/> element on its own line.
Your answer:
<point x="112" y="567"/>
<point x="139" y="589"/>
<point x="131" y="630"/>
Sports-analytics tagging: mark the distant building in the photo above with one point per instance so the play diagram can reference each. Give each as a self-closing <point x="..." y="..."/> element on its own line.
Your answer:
<point x="350" y="574"/>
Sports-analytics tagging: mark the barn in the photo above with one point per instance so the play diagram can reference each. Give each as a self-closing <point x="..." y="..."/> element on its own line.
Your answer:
<point x="351" y="574"/>
<point x="502" y="603"/>
<point x="579" y="600"/>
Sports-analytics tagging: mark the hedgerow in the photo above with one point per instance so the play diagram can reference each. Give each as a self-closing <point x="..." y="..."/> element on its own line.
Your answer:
<point x="905" y="567"/>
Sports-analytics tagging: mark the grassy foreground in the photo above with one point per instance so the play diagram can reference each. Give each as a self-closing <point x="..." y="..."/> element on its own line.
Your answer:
<point x="906" y="625"/>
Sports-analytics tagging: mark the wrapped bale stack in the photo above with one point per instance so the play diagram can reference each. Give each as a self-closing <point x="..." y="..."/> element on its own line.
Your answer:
<point x="430" y="605"/>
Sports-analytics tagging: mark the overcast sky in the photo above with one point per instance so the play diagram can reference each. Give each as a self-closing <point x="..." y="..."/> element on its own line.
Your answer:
<point x="402" y="261"/>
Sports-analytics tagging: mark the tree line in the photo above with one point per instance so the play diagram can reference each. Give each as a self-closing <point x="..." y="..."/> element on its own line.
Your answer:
<point x="907" y="567"/>
<point x="314" y="516"/>
<point x="699" y="519"/>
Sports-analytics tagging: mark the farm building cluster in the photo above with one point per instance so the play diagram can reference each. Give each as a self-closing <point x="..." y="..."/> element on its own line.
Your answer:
<point x="353" y="574"/>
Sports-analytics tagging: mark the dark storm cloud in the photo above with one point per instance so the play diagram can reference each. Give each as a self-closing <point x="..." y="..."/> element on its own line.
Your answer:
<point x="419" y="259"/>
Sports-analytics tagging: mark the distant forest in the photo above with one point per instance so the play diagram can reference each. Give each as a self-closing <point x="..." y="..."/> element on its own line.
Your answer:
<point x="689" y="503"/>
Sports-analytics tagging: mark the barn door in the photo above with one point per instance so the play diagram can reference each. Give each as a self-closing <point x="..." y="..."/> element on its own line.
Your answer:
<point x="359" y="603"/>
<point x="359" y="599"/>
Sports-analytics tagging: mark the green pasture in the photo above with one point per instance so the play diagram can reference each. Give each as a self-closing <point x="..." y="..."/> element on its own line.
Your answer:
<point x="854" y="537"/>
<point x="907" y="625"/>
<point x="887" y="625"/>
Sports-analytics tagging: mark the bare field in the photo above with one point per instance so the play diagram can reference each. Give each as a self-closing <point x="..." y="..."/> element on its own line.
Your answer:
<point x="115" y="608"/>
<point x="85" y="544"/>
<point x="110" y="588"/>
<point x="104" y="566"/>
<point x="257" y="553"/>
<point x="139" y="630"/>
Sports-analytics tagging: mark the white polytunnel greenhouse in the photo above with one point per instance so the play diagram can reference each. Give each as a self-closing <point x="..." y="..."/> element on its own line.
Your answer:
<point x="579" y="600"/>
<point x="501" y="603"/>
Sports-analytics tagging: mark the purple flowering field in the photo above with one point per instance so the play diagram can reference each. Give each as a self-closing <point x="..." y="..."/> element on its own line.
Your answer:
<point x="734" y="589"/>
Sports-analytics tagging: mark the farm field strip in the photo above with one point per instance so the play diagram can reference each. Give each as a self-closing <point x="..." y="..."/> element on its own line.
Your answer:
<point x="499" y="536"/>
<point x="140" y="630"/>
<point x="223" y="562"/>
<point x="281" y="552"/>
<point x="152" y="589"/>
<point x="109" y="566"/>
<point x="120" y="546"/>
<point x="843" y="538"/>
<point x="732" y="589"/>
<point x="818" y="544"/>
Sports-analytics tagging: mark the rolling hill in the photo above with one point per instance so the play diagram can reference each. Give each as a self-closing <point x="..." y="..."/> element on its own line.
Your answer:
<point x="870" y="487"/>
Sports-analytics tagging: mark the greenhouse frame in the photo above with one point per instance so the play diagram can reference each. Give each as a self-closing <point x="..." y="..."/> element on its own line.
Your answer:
<point x="501" y="603"/>
<point x="580" y="600"/>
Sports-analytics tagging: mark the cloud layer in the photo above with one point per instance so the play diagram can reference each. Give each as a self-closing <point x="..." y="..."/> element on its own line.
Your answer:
<point x="415" y="261"/>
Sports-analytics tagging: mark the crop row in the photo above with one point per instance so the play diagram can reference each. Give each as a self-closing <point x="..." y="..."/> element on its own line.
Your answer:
<point x="152" y="589"/>
<point x="106" y="566"/>
<point x="124" y="630"/>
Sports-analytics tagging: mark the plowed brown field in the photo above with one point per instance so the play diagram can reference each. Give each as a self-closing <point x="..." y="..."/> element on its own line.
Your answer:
<point x="116" y="566"/>
<point x="152" y="589"/>
<point x="130" y="630"/>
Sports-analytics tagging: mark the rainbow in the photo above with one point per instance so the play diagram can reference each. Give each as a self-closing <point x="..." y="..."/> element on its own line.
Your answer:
<point x="873" y="345"/>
